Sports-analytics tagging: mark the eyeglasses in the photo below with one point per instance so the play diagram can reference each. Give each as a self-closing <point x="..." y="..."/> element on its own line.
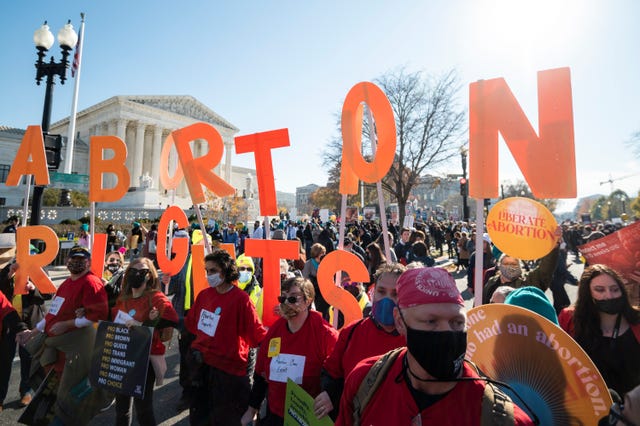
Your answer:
<point x="615" y="415"/>
<point x="290" y="299"/>
<point x="243" y="268"/>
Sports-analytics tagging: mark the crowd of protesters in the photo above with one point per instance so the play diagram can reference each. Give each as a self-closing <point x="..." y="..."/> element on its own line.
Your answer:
<point x="231" y="366"/>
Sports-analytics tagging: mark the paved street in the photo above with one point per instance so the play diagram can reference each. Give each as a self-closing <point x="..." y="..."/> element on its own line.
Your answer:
<point x="166" y="397"/>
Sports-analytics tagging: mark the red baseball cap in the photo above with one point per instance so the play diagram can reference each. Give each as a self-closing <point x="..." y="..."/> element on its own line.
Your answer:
<point x="422" y="286"/>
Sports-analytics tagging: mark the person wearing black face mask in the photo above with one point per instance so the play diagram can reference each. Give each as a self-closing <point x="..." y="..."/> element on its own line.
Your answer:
<point x="607" y="327"/>
<point x="371" y="336"/>
<point x="113" y="276"/>
<point x="142" y="303"/>
<point x="428" y="382"/>
<point x="72" y="335"/>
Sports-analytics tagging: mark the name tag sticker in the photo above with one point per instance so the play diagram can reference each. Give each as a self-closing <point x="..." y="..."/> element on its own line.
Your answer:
<point x="287" y="366"/>
<point x="274" y="347"/>
<point x="56" y="303"/>
<point x="208" y="322"/>
<point x="123" y="318"/>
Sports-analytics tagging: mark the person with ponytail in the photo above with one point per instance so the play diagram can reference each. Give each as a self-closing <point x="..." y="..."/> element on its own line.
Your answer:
<point x="141" y="303"/>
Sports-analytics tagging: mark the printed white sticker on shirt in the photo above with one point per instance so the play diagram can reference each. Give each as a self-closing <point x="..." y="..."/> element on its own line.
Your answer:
<point x="56" y="303"/>
<point x="124" y="318"/>
<point x="208" y="322"/>
<point x="287" y="366"/>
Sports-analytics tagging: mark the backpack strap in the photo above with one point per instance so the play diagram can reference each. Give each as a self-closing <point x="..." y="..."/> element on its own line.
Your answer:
<point x="497" y="407"/>
<point x="372" y="381"/>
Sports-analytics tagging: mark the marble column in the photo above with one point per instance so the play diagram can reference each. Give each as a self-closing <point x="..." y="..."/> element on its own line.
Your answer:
<point x="112" y="128"/>
<point x="138" y="147"/>
<point x="228" y="148"/>
<point x="155" y="162"/>
<point x="101" y="129"/>
<point x="121" y="133"/>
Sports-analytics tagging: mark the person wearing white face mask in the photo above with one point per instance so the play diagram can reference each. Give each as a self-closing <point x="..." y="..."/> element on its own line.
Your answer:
<point x="510" y="273"/>
<point x="225" y="324"/>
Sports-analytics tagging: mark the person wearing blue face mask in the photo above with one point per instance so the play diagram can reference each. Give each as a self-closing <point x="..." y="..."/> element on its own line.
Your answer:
<point x="371" y="336"/>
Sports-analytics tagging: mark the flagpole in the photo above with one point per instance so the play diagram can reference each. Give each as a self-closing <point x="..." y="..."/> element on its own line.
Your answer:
<point x="68" y="157"/>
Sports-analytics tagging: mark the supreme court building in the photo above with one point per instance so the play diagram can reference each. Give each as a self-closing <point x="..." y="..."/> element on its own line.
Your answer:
<point x="143" y="123"/>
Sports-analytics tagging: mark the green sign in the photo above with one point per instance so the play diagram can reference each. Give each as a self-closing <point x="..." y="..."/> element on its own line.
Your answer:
<point x="69" y="181"/>
<point x="298" y="408"/>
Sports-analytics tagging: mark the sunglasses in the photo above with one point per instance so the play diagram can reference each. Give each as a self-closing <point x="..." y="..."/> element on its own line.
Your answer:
<point x="243" y="268"/>
<point x="289" y="299"/>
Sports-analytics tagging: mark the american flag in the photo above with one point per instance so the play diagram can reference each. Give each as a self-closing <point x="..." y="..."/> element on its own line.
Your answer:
<point x="76" y="56"/>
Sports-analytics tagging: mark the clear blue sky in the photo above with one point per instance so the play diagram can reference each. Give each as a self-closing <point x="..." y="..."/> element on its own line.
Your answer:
<point x="266" y="65"/>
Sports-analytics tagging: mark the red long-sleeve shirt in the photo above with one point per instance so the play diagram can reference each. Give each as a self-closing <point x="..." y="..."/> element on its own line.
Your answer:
<point x="226" y="326"/>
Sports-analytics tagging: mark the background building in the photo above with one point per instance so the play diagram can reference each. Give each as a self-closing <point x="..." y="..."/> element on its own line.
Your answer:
<point x="302" y="198"/>
<point x="143" y="123"/>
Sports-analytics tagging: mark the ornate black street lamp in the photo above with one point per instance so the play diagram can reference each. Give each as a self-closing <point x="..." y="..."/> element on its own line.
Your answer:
<point x="465" y="206"/>
<point x="43" y="39"/>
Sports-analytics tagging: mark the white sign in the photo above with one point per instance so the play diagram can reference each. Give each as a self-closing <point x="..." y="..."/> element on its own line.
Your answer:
<point x="287" y="366"/>
<point x="56" y="303"/>
<point x="208" y="322"/>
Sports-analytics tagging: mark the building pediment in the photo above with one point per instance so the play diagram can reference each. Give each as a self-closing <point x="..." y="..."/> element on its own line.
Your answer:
<point x="183" y="105"/>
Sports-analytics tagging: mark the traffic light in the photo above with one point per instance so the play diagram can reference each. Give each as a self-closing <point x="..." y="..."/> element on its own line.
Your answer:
<point x="463" y="186"/>
<point x="487" y="202"/>
<point x="53" y="148"/>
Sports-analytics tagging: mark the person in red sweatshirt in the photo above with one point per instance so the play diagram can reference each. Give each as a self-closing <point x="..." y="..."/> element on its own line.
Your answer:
<point x="364" y="338"/>
<point x="11" y="325"/>
<point x="428" y="382"/>
<point x="79" y="303"/>
<point x="295" y="348"/>
<point x="225" y="325"/>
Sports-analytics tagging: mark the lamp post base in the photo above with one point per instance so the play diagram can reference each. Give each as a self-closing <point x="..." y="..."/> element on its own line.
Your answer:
<point x="65" y="198"/>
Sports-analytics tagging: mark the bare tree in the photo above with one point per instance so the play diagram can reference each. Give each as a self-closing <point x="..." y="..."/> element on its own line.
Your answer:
<point x="521" y="189"/>
<point x="429" y="128"/>
<point x="634" y="143"/>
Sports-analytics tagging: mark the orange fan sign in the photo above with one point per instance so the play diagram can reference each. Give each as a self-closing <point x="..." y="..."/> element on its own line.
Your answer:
<point x="541" y="362"/>
<point x="522" y="228"/>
